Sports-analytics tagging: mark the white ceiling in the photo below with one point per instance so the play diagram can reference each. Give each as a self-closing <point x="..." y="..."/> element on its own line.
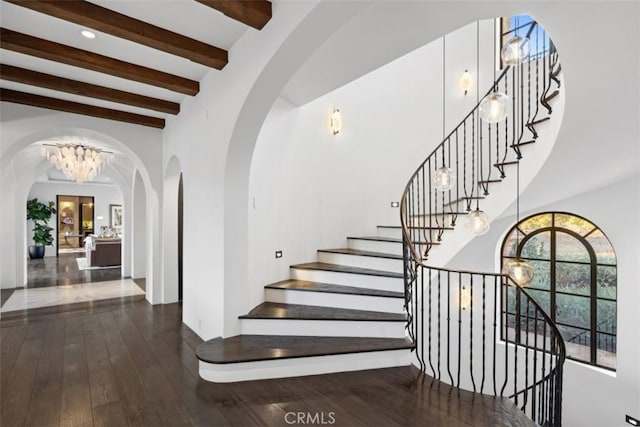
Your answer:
<point x="186" y="17"/>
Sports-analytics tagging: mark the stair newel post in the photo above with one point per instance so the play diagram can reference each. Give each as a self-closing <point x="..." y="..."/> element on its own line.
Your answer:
<point x="526" y="357"/>
<point x="484" y="329"/>
<point x="459" y="327"/>
<point x="428" y="271"/>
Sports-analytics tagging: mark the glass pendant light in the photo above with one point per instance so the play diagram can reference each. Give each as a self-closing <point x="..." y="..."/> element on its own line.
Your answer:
<point x="444" y="179"/>
<point x="477" y="222"/>
<point x="515" y="51"/>
<point x="494" y="107"/>
<point x="520" y="271"/>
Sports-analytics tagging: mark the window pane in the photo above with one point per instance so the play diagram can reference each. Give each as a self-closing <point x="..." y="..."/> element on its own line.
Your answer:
<point x="578" y="342"/>
<point x="573" y="278"/>
<point x="568" y="248"/>
<point x="573" y="223"/>
<point x="607" y="282"/>
<point x="509" y="248"/>
<point x="602" y="247"/>
<point x="606" y="353"/>
<point x="542" y="298"/>
<point x="535" y="223"/>
<point x="606" y="317"/>
<point x="537" y="246"/>
<point x="541" y="275"/>
<point x="573" y="310"/>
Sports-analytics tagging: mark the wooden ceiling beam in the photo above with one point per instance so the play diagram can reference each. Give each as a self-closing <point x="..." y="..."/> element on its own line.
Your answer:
<point x="110" y="22"/>
<point x="48" y="81"/>
<point x="16" y="97"/>
<point x="34" y="46"/>
<point x="254" y="13"/>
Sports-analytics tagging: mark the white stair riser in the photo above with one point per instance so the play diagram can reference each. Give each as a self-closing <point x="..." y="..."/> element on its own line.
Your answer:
<point x="327" y="299"/>
<point x="375" y="263"/>
<point x="324" y="328"/>
<point x="349" y="279"/>
<point x="395" y="233"/>
<point x="376" y="246"/>
<point x="302" y="366"/>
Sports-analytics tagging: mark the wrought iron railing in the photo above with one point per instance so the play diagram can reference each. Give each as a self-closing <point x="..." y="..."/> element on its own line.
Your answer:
<point x="454" y="317"/>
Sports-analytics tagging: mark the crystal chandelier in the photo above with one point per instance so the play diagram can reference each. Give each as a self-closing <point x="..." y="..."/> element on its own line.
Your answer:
<point x="78" y="162"/>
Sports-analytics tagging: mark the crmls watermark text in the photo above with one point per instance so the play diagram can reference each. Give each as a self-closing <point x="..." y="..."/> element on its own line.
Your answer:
<point x="306" y="418"/>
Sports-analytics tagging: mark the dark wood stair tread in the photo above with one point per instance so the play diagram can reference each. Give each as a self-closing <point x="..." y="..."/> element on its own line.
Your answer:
<point x="254" y="348"/>
<point x="277" y="310"/>
<point x="513" y="162"/>
<point x="304" y="285"/>
<point x="490" y="181"/>
<point x="380" y="238"/>
<point x="346" y="269"/>
<point x="463" y="199"/>
<point x="349" y="251"/>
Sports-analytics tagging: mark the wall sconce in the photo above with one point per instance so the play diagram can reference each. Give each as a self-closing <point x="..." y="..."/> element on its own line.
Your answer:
<point x="336" y="122"/>
<point x="464" y="298"/>
<point x="466" y="81"/>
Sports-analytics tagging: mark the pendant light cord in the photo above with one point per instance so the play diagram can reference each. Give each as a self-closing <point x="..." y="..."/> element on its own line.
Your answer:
<point x="477" y="103"/>
<point x="444" y="105"/>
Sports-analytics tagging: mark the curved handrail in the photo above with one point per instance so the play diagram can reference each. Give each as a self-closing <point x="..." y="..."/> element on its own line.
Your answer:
<point x="470" y="150"/>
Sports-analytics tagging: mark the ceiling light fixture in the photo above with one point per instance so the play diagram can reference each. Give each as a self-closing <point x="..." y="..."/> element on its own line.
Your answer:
<point x="88" y="34"/>
<point x="78" y="162"/>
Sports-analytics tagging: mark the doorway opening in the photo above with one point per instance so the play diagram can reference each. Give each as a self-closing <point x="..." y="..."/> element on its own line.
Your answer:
<point x="75" y="220"/>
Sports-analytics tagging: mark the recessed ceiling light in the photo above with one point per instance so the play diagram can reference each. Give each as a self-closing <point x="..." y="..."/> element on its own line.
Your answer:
<point x="88" y="34"/>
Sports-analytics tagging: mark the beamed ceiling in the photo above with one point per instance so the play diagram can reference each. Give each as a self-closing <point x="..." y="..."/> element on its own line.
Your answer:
<point x="147" y="56"/>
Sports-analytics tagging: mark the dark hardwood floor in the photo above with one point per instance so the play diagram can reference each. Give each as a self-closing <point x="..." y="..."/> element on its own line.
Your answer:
<point x="63" y="270"/>
<point x="130" y="363"/>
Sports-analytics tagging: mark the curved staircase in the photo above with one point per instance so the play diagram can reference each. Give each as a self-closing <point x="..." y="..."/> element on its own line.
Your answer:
<point x="377" y="303"/>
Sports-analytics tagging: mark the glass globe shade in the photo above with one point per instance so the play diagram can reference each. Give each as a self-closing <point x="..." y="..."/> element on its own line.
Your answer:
<point x="494" y="107"/>
<point x="444" y="179"/>
<point x="515" y="51"/>
<point x="519" y="271"/>
<point x="477" y="222"/>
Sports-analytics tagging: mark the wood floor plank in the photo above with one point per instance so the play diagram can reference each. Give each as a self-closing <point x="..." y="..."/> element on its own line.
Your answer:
<point x="9" y="349"/>
<point x="44" y="407"/>
<point x="181" y="378"/>
<point x="109" y="415"/>
<point x="136" y="402"/>
<point x="16" y="394"/>
<point x="168" y="405"/>
<point x="102" y="382"/>
<point x="75" y="407"/>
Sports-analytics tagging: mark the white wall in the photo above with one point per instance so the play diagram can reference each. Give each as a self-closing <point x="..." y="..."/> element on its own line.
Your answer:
<point x="592" y="397"/>
<point x="104" y="195"/>
<point x="310" y="189"/>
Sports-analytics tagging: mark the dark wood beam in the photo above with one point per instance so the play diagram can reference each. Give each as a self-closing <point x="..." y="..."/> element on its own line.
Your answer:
<point x="119" y="25"/>
<point x="34" y="46"/>
<point x="16" y="97"/>
<point x="254" y="13"/>
<point x="35" y="78"/>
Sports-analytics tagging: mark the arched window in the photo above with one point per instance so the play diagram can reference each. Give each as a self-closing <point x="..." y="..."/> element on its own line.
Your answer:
<point x="575" y="281"/>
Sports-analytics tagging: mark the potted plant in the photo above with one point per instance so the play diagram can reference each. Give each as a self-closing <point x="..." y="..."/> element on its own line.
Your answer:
<point x="40" y="213"/>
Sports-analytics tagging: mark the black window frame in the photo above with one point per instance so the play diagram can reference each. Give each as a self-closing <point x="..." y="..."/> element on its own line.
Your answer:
<point x="593" y="331"/>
